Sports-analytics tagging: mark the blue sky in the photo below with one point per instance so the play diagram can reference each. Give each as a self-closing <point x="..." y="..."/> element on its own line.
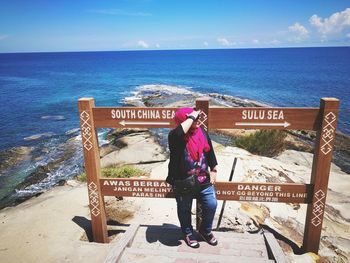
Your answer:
<point x="42" y="26"/>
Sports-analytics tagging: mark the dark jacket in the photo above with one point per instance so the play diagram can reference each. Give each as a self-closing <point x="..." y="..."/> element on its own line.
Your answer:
<point x="177" y="145"/>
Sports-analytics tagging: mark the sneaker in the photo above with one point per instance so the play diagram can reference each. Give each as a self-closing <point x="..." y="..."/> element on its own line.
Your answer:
<point x="191" y="241"/>
<point x="209" y="238"/>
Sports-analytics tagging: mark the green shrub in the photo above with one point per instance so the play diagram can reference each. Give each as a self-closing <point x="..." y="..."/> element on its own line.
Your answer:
<point x="81" y="177"/>
<point x="264" y="142"/>
<point x="116" y="172"/>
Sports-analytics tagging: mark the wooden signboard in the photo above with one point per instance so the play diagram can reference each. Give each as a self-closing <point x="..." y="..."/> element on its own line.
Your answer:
<point x="264" y="118"/>
<point x="323" y="120"/>
<point x="259" y="192"/>
<point x="132" y="117"/>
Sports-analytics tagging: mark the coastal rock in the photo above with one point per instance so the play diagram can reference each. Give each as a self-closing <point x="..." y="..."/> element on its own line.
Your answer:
<point x="45" y="174"/>
<point x="38" y="136"/>
<point x="13" y="157"/>
<point x="257" y="213"/>
<point x="291" y="142"/>
<point x="140" y="148"/>
<point x="304" y="258"/>
<point x="288" y="219"/>
<point x="106" y="149"/>
<point x="168" y="96"/>
<point x="235" y="101"/>
<point x="341" y="153"/>
<point x="40" y="174"/>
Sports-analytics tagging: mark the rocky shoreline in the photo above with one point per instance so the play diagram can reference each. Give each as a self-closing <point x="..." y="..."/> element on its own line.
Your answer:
<point x="141" y="148"/>
<point x="17" y="157"/>
<point x="29" y="171"/>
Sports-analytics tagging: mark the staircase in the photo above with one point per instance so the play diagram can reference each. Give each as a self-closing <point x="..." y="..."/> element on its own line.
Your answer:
<point x="164" y="244"/>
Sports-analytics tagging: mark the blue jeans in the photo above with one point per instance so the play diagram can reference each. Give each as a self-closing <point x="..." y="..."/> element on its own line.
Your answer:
<point x="207" y="199"/>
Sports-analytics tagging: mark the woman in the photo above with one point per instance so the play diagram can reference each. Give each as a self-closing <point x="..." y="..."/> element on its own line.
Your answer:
<point x="191" y="153"/>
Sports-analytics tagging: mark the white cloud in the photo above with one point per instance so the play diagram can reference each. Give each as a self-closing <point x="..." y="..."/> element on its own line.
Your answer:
<point x="255" y="41"/>
<point x="142" y="44"/>
<point x="298" y="29"/>
<point x="275" y="42"/>
<point x="118" y="12"/>
<point x="348" y="35"/>
<point x="224" y="42"/>
<point x="336" y="23"/>
<point x="205" y="43"/>
<point x="298" y="32"/>
<point x="157" y="45"/>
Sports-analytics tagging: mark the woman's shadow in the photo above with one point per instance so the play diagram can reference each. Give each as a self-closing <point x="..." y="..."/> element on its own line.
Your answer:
<point x="167" y="234"/>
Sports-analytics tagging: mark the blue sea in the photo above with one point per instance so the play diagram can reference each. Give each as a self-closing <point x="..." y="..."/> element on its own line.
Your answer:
<point x="39" y="91"/>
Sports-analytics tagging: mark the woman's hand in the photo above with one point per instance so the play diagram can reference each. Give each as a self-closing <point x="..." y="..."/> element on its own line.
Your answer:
<point x="195" y="113"/>
<point x="213" y="177"/>
<point x="186" y="125"/>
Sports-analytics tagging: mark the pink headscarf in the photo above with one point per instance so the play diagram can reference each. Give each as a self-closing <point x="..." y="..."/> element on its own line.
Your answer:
<point x="196" y="142"/>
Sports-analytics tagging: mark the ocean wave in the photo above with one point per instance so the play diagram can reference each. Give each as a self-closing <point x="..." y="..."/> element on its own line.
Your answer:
<point x="38" y="136"/>
<point x="72" y="131"/>
<point x="134" y="99"/>
<point x="102" y="136"/>
<point x="22" y="80"/>
<point x="53" y="117"/>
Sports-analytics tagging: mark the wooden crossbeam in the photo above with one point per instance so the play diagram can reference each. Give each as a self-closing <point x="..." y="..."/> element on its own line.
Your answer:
<point x="258" y="192"/>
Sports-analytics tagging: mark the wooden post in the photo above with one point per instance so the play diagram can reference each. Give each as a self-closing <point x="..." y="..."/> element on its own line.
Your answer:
<point x="203" y="105"/>
<point x="325" y="139"/>
<point x="93" y="170"/>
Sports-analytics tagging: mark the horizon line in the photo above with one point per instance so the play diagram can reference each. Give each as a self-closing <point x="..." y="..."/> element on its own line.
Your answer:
<point x="170" y="49"/>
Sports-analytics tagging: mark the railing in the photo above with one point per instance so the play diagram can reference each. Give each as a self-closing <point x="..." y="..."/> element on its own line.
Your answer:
<point x="323" y="120"/>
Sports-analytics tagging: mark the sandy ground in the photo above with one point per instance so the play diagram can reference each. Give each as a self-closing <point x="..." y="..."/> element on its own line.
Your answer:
<point x="46" y="229"/>
<point x="51" y="227"/>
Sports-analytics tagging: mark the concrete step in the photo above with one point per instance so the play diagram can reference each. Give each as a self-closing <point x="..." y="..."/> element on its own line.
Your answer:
<point x="165" y="244"/>
<point x="164" y="234"/>
<point x="161" y="256"/>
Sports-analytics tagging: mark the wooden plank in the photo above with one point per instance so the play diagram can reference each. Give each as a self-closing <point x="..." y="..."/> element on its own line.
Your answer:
<point x="220" y="118"/>
<point x="116" y="251"/>
<point x="320" y="173"/>
<point x="264" y="118"/>
<point x="250" y="192"/>
<point x="135" y="188"/>
<point x="134" y="117"/>
<point x="274" y="247"/>
<point x="93" y="170"/>
<point x="263" y="192"/>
